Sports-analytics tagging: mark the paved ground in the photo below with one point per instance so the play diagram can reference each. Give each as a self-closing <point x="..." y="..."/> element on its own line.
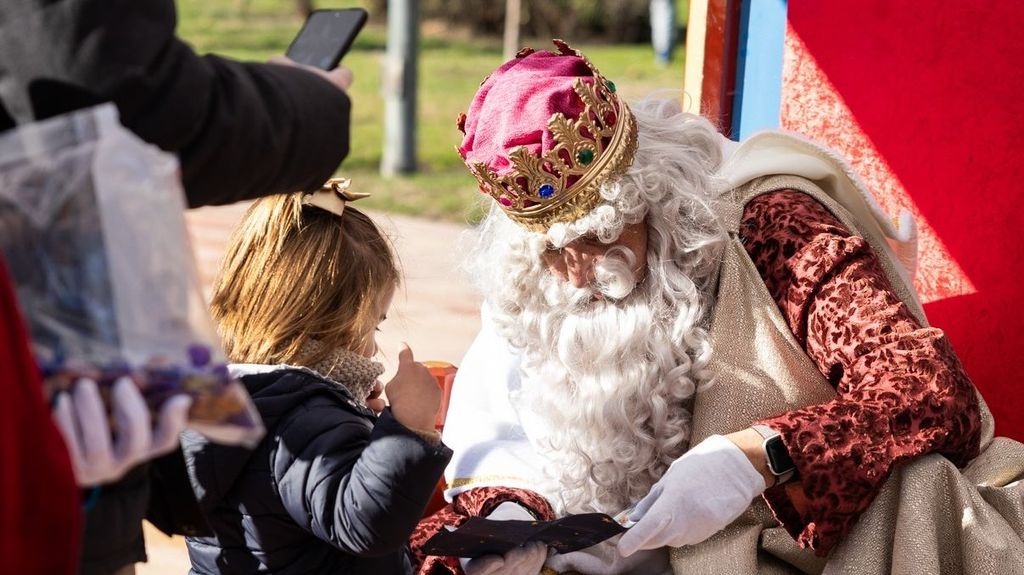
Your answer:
<point x="435" y="311"/>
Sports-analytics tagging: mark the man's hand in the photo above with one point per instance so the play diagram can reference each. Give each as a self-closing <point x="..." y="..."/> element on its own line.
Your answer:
<point x="95" y="456"/>
<point x="605" y="559"/>
<point x="340" y="76"/>
<point x="520" y="561"/>
<point x="527" y="560"/>
<point x="702" y="492"/>
<point x="413" y="393"/>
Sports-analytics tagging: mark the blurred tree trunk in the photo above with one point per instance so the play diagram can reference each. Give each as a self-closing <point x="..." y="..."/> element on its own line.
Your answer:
<point x="304" y="7"/>
<point x="511" y="28"/>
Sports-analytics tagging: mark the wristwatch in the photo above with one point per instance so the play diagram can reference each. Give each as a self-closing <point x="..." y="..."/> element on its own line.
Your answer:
<point x="779" y="462"/>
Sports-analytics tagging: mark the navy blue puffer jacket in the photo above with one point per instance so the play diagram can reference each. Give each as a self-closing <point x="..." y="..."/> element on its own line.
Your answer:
<point x="330" y="489"/>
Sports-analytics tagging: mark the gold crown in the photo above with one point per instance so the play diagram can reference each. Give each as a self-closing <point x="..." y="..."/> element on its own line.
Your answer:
<point x="564" y="183"/>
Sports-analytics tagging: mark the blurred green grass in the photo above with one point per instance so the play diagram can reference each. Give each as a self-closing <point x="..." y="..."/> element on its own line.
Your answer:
<point x="451" y="66"/>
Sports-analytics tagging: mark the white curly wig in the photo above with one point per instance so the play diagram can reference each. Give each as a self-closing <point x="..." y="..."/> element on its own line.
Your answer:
<point x="607" y="382"/>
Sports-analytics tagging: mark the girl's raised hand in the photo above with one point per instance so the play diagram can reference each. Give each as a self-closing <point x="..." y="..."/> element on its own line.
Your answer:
<point x="413" y="393"/>
<point x="374" y="401"/>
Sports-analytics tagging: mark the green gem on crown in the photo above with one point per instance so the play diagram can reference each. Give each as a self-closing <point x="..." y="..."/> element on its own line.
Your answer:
<point x="585" y="156"/>
<point x="611" y="86"/>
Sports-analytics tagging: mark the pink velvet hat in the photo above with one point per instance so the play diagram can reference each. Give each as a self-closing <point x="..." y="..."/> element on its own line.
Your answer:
<point x="543" y="132"/>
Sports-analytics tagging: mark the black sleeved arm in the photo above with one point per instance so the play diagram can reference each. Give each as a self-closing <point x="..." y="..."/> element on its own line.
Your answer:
<point x="362" y="491"/>
<point x="242" y="130"/>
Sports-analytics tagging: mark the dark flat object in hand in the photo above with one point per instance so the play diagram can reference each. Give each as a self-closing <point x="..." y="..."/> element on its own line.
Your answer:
<point x="479" y="536"/>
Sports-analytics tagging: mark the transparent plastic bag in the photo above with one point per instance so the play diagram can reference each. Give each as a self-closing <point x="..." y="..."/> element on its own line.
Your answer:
<point x="93" y="230"/>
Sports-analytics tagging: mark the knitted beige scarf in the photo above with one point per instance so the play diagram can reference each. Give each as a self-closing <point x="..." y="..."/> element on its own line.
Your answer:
<point x="348" y="369"/>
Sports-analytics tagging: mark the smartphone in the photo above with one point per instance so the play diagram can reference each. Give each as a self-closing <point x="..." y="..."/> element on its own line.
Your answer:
<point x="326" y="36"/>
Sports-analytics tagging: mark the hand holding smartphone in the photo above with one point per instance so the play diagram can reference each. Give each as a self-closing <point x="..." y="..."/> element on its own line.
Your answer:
<point x="326" y="36"/>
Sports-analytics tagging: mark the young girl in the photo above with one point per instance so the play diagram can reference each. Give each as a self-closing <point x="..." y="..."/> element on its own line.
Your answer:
<point x="333" y="487"/>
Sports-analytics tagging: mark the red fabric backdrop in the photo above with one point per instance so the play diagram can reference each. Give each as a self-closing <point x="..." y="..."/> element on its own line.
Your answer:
<point x="40" y="514"/>
<point x="927" y="102"/>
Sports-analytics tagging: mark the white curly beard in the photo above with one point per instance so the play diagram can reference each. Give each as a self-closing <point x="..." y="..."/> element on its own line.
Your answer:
<point x="609" y="407"/>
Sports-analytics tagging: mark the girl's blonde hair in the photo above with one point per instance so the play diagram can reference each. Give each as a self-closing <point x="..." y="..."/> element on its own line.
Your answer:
<point x="295" y="273"/>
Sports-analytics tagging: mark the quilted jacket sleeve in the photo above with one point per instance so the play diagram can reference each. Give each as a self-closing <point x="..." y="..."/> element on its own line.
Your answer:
<point x="359" y="489"/>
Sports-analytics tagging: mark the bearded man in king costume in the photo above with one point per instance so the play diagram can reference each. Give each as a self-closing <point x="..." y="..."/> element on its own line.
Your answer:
<point x="717" y="340"/>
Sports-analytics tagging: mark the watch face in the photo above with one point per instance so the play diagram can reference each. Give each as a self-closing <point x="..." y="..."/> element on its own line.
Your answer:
<point x="779" y="461"/>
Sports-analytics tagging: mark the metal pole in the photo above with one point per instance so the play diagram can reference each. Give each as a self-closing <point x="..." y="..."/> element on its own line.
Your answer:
<point x="511" y="44"/>
<point x="663" y="29"/>
<point x="399" y="82"/>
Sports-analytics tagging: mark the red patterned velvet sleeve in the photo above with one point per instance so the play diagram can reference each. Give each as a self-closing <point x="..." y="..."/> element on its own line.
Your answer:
<point x="901" y="390"/>
<point x="473" y="503"/>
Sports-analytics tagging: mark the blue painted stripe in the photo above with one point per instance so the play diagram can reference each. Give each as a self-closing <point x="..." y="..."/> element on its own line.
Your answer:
<point x="762" y="37"/>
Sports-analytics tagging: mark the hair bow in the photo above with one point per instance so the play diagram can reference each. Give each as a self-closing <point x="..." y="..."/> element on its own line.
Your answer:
<point x="333" y="195"/>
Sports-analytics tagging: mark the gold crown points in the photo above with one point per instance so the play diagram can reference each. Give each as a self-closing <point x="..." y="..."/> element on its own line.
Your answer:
<point x="564" y="183"/>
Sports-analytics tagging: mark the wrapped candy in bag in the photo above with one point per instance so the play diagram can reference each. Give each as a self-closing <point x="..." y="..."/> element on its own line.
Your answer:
<point x="93" y="230"/>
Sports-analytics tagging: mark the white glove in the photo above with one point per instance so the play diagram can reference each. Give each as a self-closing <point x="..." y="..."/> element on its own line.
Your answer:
<point x="605" y="559"/>
<point x="526" y="560"/>
<point x="702" y="492"/>
<point x="95" y="457"/>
